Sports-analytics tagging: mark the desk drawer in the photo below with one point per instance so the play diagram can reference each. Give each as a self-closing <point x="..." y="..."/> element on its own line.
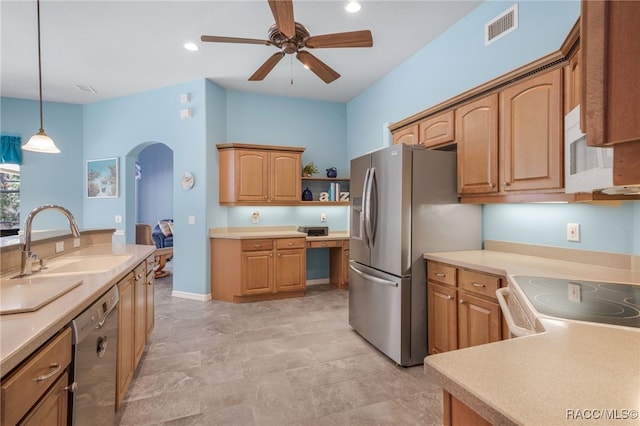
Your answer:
<point x="256" y="245"/>
<point x="30" y="381"/>
<point x="323" y="244"/>
<point x="479" y="283"/>
<point x="290" y="243"/>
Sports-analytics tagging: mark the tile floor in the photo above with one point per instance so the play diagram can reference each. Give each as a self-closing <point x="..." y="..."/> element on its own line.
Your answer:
<point x="286" y="362"/>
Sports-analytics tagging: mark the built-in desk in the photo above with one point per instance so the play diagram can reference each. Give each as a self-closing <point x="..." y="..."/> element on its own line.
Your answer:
<point x="338" y="245"/>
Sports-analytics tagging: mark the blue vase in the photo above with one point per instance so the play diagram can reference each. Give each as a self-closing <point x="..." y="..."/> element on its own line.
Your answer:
<point x="332" y="172"/>
<point x="307" y="195"/>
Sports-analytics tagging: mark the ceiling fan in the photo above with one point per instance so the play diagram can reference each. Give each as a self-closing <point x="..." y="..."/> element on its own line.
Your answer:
<point x="290" y="37"/>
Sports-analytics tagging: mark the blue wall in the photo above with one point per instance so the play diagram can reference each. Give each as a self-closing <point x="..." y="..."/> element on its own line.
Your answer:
<point x="458" y="61"/>
<point x="47" y="178"/>
<point x="154" y="189"/>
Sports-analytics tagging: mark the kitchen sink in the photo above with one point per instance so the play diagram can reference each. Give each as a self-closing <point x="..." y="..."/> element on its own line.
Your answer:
<point x="80" y="265"/>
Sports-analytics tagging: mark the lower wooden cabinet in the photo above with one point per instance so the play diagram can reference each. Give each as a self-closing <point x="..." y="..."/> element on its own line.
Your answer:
<point x="457" y="413"/>
<point x="249" y="270"/>
<point x="52" y="409"/>
<point x="462" y="308"/>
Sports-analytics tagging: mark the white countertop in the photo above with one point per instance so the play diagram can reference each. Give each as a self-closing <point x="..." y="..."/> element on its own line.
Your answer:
<point x="272" y="232"/>
<point x="23" y="333"/>
<point x="569" y="371"/>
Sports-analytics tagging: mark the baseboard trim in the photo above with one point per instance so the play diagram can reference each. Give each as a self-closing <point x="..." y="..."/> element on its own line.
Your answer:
<point x="318" y="281"/>
<point x="191" y="296"/>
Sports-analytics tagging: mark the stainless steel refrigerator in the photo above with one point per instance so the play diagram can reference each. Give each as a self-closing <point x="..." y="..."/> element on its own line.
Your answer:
<point x="403" y="203"/>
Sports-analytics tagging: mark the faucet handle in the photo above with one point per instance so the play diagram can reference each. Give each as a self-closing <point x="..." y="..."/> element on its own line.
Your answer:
<point x="43" y="263"/>
<point x="35" y="261"/>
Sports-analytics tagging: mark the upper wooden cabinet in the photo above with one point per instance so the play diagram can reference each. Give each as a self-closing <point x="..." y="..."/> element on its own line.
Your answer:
<point x="407" y="135"/>
<point x="477" y="137"/>
<point x="611" y="71"/>
<point x="437" y="130"/>
<point x="259" y="174"/>
<point x="572" y="82"/>
<point x="532" y="133"/>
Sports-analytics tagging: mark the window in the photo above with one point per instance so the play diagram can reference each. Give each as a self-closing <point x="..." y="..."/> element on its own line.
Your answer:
<point x="9" y="199"/>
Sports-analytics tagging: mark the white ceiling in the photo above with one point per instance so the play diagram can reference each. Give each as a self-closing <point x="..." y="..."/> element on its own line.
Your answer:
<point x="125" y="47"/>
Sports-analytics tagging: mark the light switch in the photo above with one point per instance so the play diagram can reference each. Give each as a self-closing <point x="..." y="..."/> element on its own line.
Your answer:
<point x="191" y="220"/>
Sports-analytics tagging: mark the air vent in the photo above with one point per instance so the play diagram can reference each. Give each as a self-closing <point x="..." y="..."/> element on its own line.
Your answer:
<point x="501" y="25"/>
<point x="87" y="89"/>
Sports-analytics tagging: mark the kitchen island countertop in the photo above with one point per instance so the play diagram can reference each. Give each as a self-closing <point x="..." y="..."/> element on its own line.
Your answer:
<point x="570" y="372"/>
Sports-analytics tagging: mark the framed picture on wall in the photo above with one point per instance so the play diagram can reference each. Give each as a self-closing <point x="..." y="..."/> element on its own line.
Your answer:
<point x="102" y="178"/>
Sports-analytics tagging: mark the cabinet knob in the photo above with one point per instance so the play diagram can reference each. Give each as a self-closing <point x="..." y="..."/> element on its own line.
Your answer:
<point x="506" y="183"/>
<point x="462" y="301"/>
<point x="449" y="297"/>
<point x="279" y="254"/>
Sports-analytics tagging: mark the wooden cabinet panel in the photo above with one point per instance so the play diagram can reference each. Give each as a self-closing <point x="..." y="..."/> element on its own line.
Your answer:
<point x="572" y="83"/>
<point x="140" y="312"/>
<point x="479" y="283"/>
<point x="456" y="413"/>
<point x="252" y="175"/>
<point x="532" y="140"/>
<point x="477" y="137"/>
<point x="52" y="409"/>
<point x="290" y="243"/>
<point x="406" y="135"/>
<point x="257" y="245"/>
<point x="478" y="321"/>
<point x="437" y="130"/>
<point x="442" y="319"/>
<point x="126" y="314"/>
<point x="611" y="71"/>
<point x="290" y="269"/>
<point x="257" y="270"/>
<point x="441" y="273"/>
<point x="150" y="295"/>
<point x="285" y="176"/>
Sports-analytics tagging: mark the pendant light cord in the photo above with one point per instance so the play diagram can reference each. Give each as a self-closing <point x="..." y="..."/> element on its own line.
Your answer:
<point x="40" y="68"/>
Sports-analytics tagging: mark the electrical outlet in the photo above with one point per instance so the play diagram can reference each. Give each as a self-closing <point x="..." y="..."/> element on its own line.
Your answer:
<point x="323" y="217"/>
<point x="255" y="217"/>
<point x="573" y="232"/>
<point x="191" y="220"/>
<point x="118" y="218"/>
<point x="575" y="292"/>
<point x="59" y="246"/>
<point x="76" y="242"/>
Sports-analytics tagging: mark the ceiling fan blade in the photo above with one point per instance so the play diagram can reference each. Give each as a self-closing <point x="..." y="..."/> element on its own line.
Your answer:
<point x="361" y="38"/>
<point x="283" y="13"/>
<point x="265" y="68"/>
<point x="319" y="68"/>
<point x="217" y="39"/>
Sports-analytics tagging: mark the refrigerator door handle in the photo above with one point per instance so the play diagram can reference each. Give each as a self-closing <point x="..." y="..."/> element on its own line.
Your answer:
<point x="365" y="208"/>
<point x="367" y="214"/>
<point x="372" y="278"/>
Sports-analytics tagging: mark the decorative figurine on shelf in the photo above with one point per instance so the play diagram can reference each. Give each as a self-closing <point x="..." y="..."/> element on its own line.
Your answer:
<point x="332" y="172"/>
<point x="309" y="170"/>
<point x="307" y="195"/>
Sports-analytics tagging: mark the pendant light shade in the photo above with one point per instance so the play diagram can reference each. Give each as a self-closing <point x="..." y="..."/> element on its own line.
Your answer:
<point x="40" y="142"/>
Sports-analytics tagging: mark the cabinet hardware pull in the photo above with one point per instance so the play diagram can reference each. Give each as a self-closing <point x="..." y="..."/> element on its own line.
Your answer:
<point x="449" y="297"/>
<point x="440" y="274"/>
<point x="462" y="301"/>
<point x="73" y="387"/>
<point x="289" y="244"/>
<point x="257" y="245"/>
<point x="279" y="254"/>
<point x="55" y="366"/>
<point x="492" y="185"/>
<point x="478" y="285"/>
<point x="506" y="183"/>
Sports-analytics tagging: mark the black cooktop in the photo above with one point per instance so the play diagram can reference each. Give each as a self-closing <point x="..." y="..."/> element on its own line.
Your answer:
<point x="593" y="301"/>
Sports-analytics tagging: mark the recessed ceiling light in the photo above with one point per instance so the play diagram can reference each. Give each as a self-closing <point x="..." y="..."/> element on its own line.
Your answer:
<point x="191" y="46"/>
<point x="352" y="7"/>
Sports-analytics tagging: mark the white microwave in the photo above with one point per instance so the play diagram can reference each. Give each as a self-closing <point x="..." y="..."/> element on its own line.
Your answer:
<point x="586" y="168"/>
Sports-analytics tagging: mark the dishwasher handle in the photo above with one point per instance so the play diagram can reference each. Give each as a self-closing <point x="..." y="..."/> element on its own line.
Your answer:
<point x="516" y="330"/>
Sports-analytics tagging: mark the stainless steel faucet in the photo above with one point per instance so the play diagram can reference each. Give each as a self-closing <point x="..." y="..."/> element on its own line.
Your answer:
<point x="26" y="261"/>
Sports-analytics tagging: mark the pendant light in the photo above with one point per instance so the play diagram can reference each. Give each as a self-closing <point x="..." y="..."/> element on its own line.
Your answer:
<point x="40" y="142"/>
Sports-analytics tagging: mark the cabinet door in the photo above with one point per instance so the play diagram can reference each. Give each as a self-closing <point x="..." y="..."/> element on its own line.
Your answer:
<point x="442" y="320"/>
<point x="126" y="317"/>
<point x="52" y="408"/>
<point x="532" y="133"/>
<point x="140" y="313"/>
<point x="251" y="175"/>
<point x="611" y="72"/>
<point x="150" y="309"/>
<point x="257" y="272"/>
<point x="285" y="176"/>
<point x="477" y="136"/>
<point x="406" y="135"/>
<point x="478" y="321"/>
<point x="290" y="270"/>
<point x="572" y="77"/>
<point x="437" y="130"/>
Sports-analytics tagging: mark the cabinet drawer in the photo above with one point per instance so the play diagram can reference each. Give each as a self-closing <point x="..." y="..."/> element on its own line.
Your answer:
<point x="25" y="386"/>
<point x="255" y="245"/>
<point x="345" y="244"/>
<point x="479" y="283"/>
<point x="151" y="263"/>
<point x="290" y="243"/>
<point x="328" y="243"/>
<point x="141" y="271"/>
<point x="439" y="272"/>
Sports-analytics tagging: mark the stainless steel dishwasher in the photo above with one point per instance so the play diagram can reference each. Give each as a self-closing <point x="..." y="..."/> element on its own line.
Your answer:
<point x="95" y="341"/>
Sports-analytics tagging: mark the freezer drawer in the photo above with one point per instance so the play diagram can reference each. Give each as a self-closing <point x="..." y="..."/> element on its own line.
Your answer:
<point x="380" y="310"/>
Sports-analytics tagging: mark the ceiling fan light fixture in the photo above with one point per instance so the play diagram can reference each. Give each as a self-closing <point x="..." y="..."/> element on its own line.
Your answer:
<point x="353" y="7"/>
<point x="40" y="142"/>
<point x="190" y="46"/>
